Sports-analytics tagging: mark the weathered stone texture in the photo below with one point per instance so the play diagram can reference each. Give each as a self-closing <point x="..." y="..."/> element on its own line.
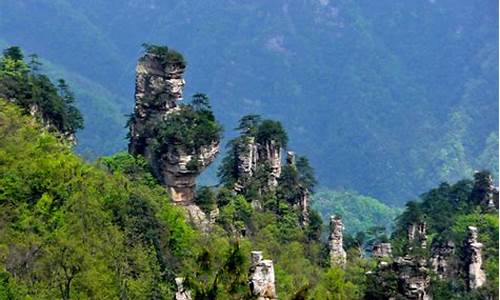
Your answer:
<point x="182" y="293"/>
<point x="261" y="277"/>
<point x="442" y="259"/>
<point x="159" y="87"/>
<point x="338" y="255"/>
<point x="473" y="260"/>
<point x="382" y="250"/>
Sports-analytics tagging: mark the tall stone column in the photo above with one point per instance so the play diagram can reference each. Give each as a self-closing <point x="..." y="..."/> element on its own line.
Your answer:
<point x="473" y="260"/>
<point x="338" y="255"/>
<point x="159" y="86"/>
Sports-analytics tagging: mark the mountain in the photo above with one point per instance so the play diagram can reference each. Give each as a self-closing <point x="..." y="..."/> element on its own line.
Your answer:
<point x="386" y="98"/>
<point x="134" y="226"/>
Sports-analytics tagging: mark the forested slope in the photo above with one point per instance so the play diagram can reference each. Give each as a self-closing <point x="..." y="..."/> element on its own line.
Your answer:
<point x="386" y="98"/>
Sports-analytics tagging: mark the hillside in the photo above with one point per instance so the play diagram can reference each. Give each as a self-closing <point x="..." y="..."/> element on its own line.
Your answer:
<point x="404" y="95"/>
<point x="137" y="226"/>
<point x="360" y="213"/>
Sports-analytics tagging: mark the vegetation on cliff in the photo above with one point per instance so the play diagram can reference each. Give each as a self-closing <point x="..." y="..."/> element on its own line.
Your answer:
<point x="447" y="211"/>
<point x="192" y="127"/>
<point x="108" y="230"/>
<point x="22" y="83"/>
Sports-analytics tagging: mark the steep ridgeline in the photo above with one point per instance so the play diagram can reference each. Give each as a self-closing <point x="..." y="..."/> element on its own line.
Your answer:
<point x="446" y="245"/>
<point x="179" y="141"/>
<point x="22" y="83"/>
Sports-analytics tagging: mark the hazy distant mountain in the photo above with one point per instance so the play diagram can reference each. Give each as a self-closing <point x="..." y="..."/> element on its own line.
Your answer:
<point x="386" y="97"/>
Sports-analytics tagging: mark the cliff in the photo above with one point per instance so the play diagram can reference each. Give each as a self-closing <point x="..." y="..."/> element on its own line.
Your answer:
<point x="164" y="131"/>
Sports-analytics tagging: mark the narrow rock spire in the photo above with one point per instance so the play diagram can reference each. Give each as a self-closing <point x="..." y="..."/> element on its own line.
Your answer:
<point x="473" y="260"/>
<point x="338" y="255"/>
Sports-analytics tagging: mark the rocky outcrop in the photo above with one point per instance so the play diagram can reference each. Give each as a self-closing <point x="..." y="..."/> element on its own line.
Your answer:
<point x="442" y="259"/>
<point x="270" y="153"/>
<point x="417" y="234"/>
<point x="158" y="88"/>
<point x="302" y="205"/>
<point x="182" y="293"/>
<point x="174" y="170"/>
<point x="201" y="220"/>
<point x="250" y="155"/>
<point x="338" y="255"/>
<point x="473" y="260"/>
<point x="484" y="191"/>
<point x="69" y="136"/>
<point x="413" y="278"/>
<point x="381" y="250"/>
<point x="247" y="156"/>
<point x="261" y="277"/>
<point x="403" y="278"/>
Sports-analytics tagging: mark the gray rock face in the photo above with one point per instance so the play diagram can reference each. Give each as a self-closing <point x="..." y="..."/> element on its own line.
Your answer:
<point x="338" y="255"/>
<point x="199" y="218"/>
<point x="247" y="156"/>
<point x="417" y="234"/>
<point x="473" y="260"/>
<point x="36" y="112"/>
<point x="261" y="277"/>
<point x="182" y="293"/>
<point x="441" y="260"/>
<point x="382" y="250"/>
<point x="271" y="153"/>
<point x="250" y="154"/>
<point x="484" y="191"/>
<point x="158" y="88"/>
<point x="302" y="205"/>
<point x="413" y="278"/>
<point x="173" y="169"/>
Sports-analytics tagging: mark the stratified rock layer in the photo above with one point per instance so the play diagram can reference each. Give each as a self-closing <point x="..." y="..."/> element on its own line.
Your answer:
<point x="473" y="260"/>
<point x="338" y="255"/>
<point x="261" y="277"/>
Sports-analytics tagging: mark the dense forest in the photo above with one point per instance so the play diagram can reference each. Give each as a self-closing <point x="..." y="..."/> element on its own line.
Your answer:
<point x="126" y="226"/>
<point x="385" y="98"/>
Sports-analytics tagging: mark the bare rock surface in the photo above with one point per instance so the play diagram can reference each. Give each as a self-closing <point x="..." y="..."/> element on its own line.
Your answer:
<point x="261" y="277"/>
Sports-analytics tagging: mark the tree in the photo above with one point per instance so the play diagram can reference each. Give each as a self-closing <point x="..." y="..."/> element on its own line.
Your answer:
<point x="248" y="124"/>
<point x="200" y="102"/>
<point x="270" y="130"/>
<point x="14" y="53"/>
<point x="34" y="63"/>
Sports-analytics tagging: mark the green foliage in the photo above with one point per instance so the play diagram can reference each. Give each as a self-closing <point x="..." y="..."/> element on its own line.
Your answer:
<point x="167" y="56"/>
<point x="37" y="94"/>
<point x="359" y="213"/>
<point x="448" y="210"/>
<point x="333" y="285"/>
<point x="205" y="198"/>
<point x="236" y="215"/>
<point x="393" y="80"/>
<point x="72" y="230"/>
<point x="193" y="126"/>
<point x="269" y="131"/>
